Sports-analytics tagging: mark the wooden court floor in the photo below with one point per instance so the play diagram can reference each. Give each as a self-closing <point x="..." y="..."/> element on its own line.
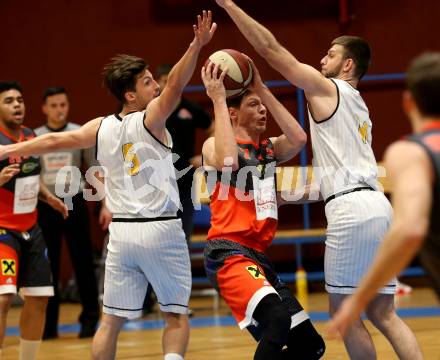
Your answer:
<point x="228" y="342"/>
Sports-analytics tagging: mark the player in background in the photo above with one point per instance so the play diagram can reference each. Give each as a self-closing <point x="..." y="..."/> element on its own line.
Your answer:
<point x="75" y="229"/>
<point x="23" y="253"/>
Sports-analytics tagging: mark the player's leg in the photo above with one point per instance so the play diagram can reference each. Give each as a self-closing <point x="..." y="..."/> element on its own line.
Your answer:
<point x="9" y="255"/>
<point x="242" y="283"/>
<point x="167" y="266"/>
<point x="51" y="224"/>
<point x="175" y="335"/>
<point x="274" y="320"/>
<point x="303" y="341"/>
<point x="124" y="288"/>
<point x="5" y="303"/>
<point x="81" y="253"/>
<point x="357" y="339"/>
<point x="106" y="337"/>
<point x="35" y="284"/>
<point x="356" y="224"/>
<point x="382" y="314"/>
<point x="32" y="319"/>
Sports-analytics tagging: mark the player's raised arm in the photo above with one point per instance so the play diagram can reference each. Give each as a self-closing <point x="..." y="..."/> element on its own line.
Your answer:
<point x="160" y="108"/>
<point x="294" y="137"/>
<point x="221" y="150"/>
<point x="265" y="43"/>
<point x="82" y="138"/>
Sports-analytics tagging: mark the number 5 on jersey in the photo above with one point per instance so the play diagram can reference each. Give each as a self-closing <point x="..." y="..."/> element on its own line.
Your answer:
<point x="130" y="159"/>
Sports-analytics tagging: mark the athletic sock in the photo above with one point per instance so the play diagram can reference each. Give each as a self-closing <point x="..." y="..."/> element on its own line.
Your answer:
<point x="173" y="356"/>
<point x="29" y="349"/>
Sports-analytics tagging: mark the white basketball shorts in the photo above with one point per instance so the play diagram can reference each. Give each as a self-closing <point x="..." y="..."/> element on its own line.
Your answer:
<point x="357" y="223"/>
<point x="146" y="252"/>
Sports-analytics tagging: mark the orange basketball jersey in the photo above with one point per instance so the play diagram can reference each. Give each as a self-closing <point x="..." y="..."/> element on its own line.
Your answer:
<point x="243" y="203"/>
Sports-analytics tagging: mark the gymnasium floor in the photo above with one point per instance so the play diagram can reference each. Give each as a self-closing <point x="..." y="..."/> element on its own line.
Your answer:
<point x="217" y="337"/>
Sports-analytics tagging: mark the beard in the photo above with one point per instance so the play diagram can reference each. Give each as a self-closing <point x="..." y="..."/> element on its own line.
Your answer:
<point x="333" y="72"/>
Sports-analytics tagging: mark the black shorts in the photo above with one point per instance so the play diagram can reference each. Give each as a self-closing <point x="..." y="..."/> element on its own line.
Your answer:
<point x="24" y="263"/>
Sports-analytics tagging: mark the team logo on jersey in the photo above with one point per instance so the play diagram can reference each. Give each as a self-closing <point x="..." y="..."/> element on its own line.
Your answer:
<point x="28" y="167"/>
<point x="255" y="272"/>
<point x="130" y="159"/>
<point x="8" y="267"/>
<point x="3" y="232"/>
<point x="260" y="168"/>
<point x="363" y="131"/>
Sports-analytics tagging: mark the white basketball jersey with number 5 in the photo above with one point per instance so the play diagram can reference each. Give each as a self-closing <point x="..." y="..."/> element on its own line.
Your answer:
<point x="342" y="153"/>
<point x="140" y="179"/>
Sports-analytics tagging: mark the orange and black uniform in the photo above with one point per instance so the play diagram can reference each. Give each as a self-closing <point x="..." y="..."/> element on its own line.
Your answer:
<point x="429" y="255"/>
<point x="235" y="261"/>
<point x="23" y="253"/>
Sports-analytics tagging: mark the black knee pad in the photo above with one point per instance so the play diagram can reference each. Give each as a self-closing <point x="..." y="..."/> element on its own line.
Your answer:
<point x="273" y="319"/>
<point x="304" y="342"/>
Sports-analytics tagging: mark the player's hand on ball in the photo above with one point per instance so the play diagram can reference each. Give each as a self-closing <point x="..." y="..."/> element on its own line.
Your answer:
<point x="256" y="83"/>
<point x="205" y="28"/>
<point x="213" y="80"/>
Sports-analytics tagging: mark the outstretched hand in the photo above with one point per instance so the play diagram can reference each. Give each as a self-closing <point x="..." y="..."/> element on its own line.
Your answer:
<point x="205" y="28"/>
<point x="213" y="81"/>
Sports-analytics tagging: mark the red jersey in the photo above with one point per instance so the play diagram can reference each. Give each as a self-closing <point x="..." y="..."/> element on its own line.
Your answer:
<point x="17" y="211"/>
<point x="233" y="209"/>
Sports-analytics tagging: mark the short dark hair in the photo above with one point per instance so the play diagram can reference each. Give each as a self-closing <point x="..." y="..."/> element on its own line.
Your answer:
<point x="6" y="85"/>
<point x="163" y="69"/>
<point x="235" y="101"/>
<point x="120" y="74"/>
<point x="423" y="82"/>
<point x="357" y="49"/>
<point x="53" y="90"/>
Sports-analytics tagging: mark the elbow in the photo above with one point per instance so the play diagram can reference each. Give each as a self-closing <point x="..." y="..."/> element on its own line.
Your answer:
<point x="299" y="141"/>
<point x="302" y="139"/>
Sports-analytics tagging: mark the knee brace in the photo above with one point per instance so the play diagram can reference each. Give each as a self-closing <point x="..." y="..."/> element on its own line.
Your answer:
<point x="304" y="342"/>
<point x="273" y="318"/>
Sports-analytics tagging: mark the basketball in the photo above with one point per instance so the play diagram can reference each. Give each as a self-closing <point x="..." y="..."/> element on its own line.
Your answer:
<point x="239" y="74"/>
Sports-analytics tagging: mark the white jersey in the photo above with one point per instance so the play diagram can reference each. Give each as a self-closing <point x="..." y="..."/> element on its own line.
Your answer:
<point x="342" y="153"/>
<point x="140" y="179"/>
